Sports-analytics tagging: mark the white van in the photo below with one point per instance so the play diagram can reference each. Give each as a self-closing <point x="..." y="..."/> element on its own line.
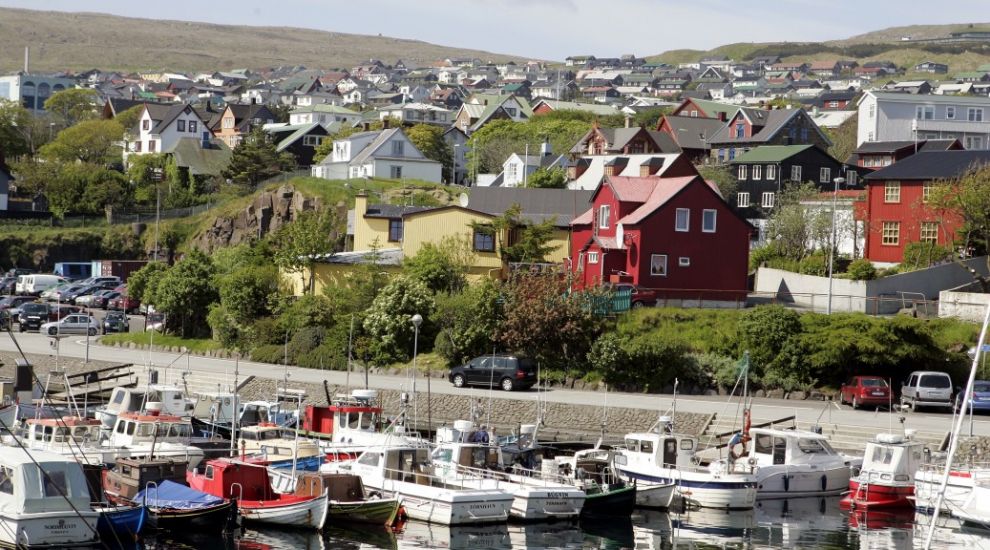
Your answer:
<point x="19" y="285"/>
<point x="36" y="284"/>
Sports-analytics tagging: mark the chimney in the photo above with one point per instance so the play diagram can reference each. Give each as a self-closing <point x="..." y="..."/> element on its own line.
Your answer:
<point x="628" y="121"/>
<point x="722" y="116"/>
<point x="385" y="123"/>
<point x="546" y="150"/>
<point x="360" y="205"/>
<point x="27" y="57"/>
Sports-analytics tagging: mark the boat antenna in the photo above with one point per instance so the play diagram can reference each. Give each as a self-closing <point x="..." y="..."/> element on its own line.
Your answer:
<point x="236" y="412"/>
<point x="491" y="387"/>
<point x="956" y="430"/>
<point x="673" y="406"/>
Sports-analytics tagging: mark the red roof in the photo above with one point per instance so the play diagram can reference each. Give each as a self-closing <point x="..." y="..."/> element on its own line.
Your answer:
<point x="663" y="190"/>
<point x="632" y="189"/>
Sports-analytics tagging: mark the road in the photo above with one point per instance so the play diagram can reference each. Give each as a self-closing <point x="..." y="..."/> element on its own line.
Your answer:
<point x="764" y="408"/>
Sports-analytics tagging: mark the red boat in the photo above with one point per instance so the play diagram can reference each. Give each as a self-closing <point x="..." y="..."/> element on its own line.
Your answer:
<point x="886" y="479"/>
<point x="347" y="427"/>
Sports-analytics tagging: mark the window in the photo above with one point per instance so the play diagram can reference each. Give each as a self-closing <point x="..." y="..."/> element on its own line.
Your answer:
<point x="228" y="122"/>
<point x="974" y="142"/>
<point x="929" y="232"/>
<point x="395" y="172"/>
<point x="950" y="113"/>
<point x="757" y="172"/>
<point x="740" y="130"/>
<point x="146" y="125"/>
<point x="603" y="213"/>
<point x="312" y="141"/>
<point x="54" y="484"/>
<point x="137" y="146"/>
<point x="833" y="104"/>
<point x="891" y="233"/>
<point x="732" y="154"/>
<point x="192" y="126"/>
<point x="742" y="199"/>
<point x="974" y="114"/>
<point x="804" y="135"/>
<point x="892" y="191"/>
<point x="658" y="265"/>
<point x="682" y="220"/>
<point x="795" y="173"/>
<point x="771" y="171"/>
<point x="484" y="241"/>
<point x="511" y="111"/>
<point x="398" y="148"/>
<point x="180" y="125"/>
<point x="767" y="200"/>
<point x="394" y="230"/>
<point x="872" y="111"/>
<point x="592" y="257"/>
<point x="926" y="191"/>
<point x="869" y="136"/>
<point x="825" y="175"/>
<point x="708" y="218"/>
<point x="694" y="113"/>
<point x="684" y="261"/>
<point x="512" y="172"/>
<point x="924" y="112"/>
<point x="851" y="177"/>
<point x="151" y="146"/>
<point x="742" y="171"/>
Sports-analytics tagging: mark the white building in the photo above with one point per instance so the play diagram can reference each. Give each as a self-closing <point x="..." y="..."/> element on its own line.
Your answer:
<point x="385" y="154"/>
<point x="31" y="90"/>
<point x="416" y="113"/>
<point x="905" y="117"/>
<point x="161" y="126"/>
<point x="324" y="114"/>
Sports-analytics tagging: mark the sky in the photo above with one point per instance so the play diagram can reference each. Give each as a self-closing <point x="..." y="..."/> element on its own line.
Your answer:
<point x="555" y="29"/>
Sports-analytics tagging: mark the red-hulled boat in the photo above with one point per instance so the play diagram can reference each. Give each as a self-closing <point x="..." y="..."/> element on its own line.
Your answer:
<point x="887" y="477"/>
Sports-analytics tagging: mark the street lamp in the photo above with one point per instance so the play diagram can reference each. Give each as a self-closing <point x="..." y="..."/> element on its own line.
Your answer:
<point x="831" y="253"/>
<point x="416" y="321"/>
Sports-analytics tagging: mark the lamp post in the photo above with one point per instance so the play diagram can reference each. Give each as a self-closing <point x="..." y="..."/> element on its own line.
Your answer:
<point x="453" y="165"/>
<point x="831" y="253"/>
<point x="416" y="321"/>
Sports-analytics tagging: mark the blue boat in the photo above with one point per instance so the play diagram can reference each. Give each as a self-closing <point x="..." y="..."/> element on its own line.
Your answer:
<point x="308" y="464"/>
<point x="122" y="523"/>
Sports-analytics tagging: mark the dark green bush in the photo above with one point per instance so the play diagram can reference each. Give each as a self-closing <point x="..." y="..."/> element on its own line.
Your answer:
<point x="816" y="264"/>
<point x="303" y="341"/>
<point x="862" y="270"/>
<point x="269" y="353"/>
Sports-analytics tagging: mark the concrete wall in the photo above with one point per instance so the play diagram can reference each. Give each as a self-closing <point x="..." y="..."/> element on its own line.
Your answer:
<point x="968" y="306"/>
<point x="929" y="282"/>
<point x="811" y="291"/>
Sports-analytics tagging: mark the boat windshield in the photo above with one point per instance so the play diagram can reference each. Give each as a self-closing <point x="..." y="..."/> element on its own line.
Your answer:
<point x="444" y="454"/>
<point x="814" y="446"/>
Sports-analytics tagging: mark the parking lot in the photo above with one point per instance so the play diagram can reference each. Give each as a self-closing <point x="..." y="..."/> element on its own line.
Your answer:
<point x="136" y="322"/>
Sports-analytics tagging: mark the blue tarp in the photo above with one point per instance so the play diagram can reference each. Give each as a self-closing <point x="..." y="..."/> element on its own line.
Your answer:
<point x="173" y="495"/>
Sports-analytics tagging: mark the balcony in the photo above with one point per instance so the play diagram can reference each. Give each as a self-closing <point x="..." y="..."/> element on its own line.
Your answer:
<point x="954" y="126"/>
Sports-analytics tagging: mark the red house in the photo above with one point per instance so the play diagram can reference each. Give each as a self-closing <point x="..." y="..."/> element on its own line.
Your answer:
<point x="673" y="234"/>
<point x="896" y="209"/>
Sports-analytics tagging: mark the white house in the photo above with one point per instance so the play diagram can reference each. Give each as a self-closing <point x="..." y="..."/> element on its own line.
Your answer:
<point x="905" y="117"/>
<point x="325" y="114"/>
<point x="160" y="127"/>
<point x="416" y="113"/>
<point x="386" y="154"/>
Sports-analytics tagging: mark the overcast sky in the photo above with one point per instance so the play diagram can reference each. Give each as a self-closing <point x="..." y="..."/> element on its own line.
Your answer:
<point x="554" y="29"/>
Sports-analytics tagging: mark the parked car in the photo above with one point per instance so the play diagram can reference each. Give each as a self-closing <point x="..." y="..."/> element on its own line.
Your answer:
<point x="509" y="372"/>
<point x="116" y="321"/>
<point x="865" y="390"/>
<point x="60" y="311"/>
<point x="34" y="285"/>
<point x="32" y="316"/>
<point x="52" y="293"/>
<point x="101" y="299"/>
<point x="13" y="302"/>
<point x="60" y="294"/>
<point x="72" y="295"/>
<point x="640" y="297"/>
<point x="979" y="399"/>
<point x="77" y="323"/>
<point x="927" y="389"/>
<point x="90" y="300"/>
<point x="124" y="303"/>
<point x="8" y="284"/>
<point x="155" y="320"/>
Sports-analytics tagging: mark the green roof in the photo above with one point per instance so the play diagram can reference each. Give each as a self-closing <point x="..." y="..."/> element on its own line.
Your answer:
<point x="970" y="74"/>
<point x="189" y="153"/>
<point x="770" y="153"/>
<point x="325" y="108"/>
<point x="712" y="107"/>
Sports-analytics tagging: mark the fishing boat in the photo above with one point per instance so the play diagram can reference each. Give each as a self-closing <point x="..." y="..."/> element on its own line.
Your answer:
<point x="886" y="479"/>
<point x="465" y="457"/>
<point x="121" y="523"/>
<point x="348" y="499"/>
<point x="962" y="479"/>
<point x="180" y="508"/>
<point x="249" y="486"/>
<point x="662" y="457"/>
<point x="278" y="448"/>
<point x="606" y="493"/>
<point x="44" y="500"/>
<point x="406" y="472"/>
<point x="160" y="436"/>
<point x="158" y="399"/>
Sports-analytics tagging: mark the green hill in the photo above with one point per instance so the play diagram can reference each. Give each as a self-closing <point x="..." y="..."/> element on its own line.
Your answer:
<point x="82" y="41"/>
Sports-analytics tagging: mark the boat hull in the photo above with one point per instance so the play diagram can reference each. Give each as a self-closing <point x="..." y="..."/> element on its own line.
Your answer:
<point x="123" y="522"/>
<point x="727" y="492"/>
<point x="210" y="519"/>
<point x="655" y="495"/>
<point x="538" y="504"/>
<point x="928" y="484"/>
<point x="796" y="482"/>
<point x="310" y="513"/>
<point x="616" y="501"/>
<point x="48" y="529"/>
<point x="877" y="495"/>
<point x="448" y="507"/>
<point x="379" y="511"/>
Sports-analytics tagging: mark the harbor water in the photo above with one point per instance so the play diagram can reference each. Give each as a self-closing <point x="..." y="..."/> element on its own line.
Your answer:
<point x="799" y="523"/>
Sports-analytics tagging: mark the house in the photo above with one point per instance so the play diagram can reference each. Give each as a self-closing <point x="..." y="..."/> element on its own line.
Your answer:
<point x="199" y="158"/>
<point x="32" y="90"/>
<point x="825" y="68"/>
<point x="586" y="172"/>
<point x="919" y="87"/>
<point x="417" y="113"/>
<point x="480" y="109"/>
<point x="931" y="67"/>
<point x="517" y="168"/>
<point x="896" y="211"/>
<point x="544" y="106"/>
<point x="874" y="155"/>
<point x="691" y="134"/>
<point x="750" y="128"/>
<point x="324" y="114"/>
<point x="972" y="76"/>
<point x="703" y="108"/>
<point x="886" y="116"/>
<point x="624" y="141"/>
<point x="386" y="153"/>
<point x="299" y="140"/>
<point x="837" y="100"/>
<point x="160" y="126"/>
<point x="236" y="120"/>
<point x="458" y="142"/>
<point x="675" y="235"/>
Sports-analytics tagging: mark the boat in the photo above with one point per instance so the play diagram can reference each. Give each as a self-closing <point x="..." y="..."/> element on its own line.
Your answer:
<point x="662" y="457"/>
<point x="606" y="493"/>
<point x="44" y="500"/>
<point x="159" y="436"/>
<point x="962" y="479"/>
<point x="886" y="479"/>
<point x="180" y="508"/>
<point x="158" y="399"/>
<point x="121" y="523"/>
<point x="349" y="502"/>
<point x="213" y="414"/>
<point x="465" y="457"/>
<point x="406" y="472"/>
<point x="279" y="448"/>
<point x="249" y="486"/>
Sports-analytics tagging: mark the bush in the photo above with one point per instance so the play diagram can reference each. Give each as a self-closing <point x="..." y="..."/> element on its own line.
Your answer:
<point x="763" y="331"/>
<point x="721" y="369"/>
<point x="919" y="255"/>
<point x="269" y="353"/>
<point x="305" y="340"/>
<point x="762" y="255"/>
<point x="862" y="270"/>
<point x="815" y="264"/>
<point x="326" y="356"/>
<point x="265" y="331"/>
<point x="307" y="311"/>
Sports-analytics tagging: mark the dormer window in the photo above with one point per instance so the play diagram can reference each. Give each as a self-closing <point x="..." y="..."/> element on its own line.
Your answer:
<point x="192" y="126"/>
<point x="603" y="214"/>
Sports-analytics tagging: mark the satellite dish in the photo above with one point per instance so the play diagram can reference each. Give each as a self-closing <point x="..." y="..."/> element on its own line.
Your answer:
<point x="462" y="200"/>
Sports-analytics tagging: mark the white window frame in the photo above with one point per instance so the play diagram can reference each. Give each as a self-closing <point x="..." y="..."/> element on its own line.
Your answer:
<point x="742" y="199"/>
<point x="796" y="173"/>
<point x="653" y="263"/>
<point x="924" y="112"/>
<point x="771" y="172"/>
<point x="974" y="142"/>
<point x="687" y="220"/>
<point x="684" y="261"/>
<point x="932" y="228"/>
<point x="852" y="178"/>
<point x="950" y="113"/>
<point x="767" y="199"/>
<point x="974" y="114"/>
<point x="704" y="220"/>
<point x="892" y="192"/>
<point x="824" y="175"/>
<point x="741" y="174"/>
<point x="592" y="257"/>
<point x="604" y="211"/>
<point x="895" y="233"/>
<point x="757" y="172"/>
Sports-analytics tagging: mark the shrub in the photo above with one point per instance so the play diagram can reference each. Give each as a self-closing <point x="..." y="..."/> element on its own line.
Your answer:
<point x="721" y="369"/>
<point x="862" y="270"/>
<point x="305" y="340"/>
<point x="269" y="353"/>
<point x="918" y="255"/>
<point x="763" y="331"/>
<point x="763" y="254"/>
<point x="815" y="264"/>
<point x="264" y="331"/>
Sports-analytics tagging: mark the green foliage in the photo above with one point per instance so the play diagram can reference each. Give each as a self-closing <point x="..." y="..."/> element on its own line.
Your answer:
<point x="313" y="234"/>
<point x="307" y="311"/>
<point x="15" y="125"/>
<point x="843" y="139"/>
<point x="428" y="138"/>
<point x="442" y="267"/>
<point x="792" y="227"/>
<point x="85" y="188"/>
<point x="304" y="341"/>
<point x="543" y="178"/>
<point x="185" y="294"/>
<point x="531" y="243"/>
<point x="495" y="141"/>
<point x="72" y="105"/>
<point x="467" y="322"/>
<point x="90" y="141"/>
<point x="764" y="330"/>
<point x="721" y="370"/>
<point x="815" y="264"/>
<point x="256" y="159"/>
<point x="269" y="353"/>
<point x="722" y="176"/>
<point x="762" y="255"/>
<point x="861" y="269"/>
<point x="919" y="255"/>
<point x="128" y="119"/>
<point x="120" y="242"/>
<point x="388" y="320"/>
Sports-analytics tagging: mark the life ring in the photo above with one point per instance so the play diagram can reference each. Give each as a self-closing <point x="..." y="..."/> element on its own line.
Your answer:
<point x="737" y="446"/>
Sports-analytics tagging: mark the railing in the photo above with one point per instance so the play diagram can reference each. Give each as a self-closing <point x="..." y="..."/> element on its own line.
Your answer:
<point x="426" y="471"/>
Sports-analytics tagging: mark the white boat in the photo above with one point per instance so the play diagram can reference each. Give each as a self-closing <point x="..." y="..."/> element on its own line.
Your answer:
<point x="459" y="461"/>
<point x="278" y="448"/>
<point x="975" y="510"/>
<point x="663" y="457"/>
<point x="44" y="501"/>
<point x="962" y="479"/>
<point x="159" y="399"/>
<point x="790" y="463"/>
<point x="594" y="466"/>
<point x="405" y="472"/>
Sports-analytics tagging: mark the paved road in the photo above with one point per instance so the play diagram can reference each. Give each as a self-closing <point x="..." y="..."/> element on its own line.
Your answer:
<point x="764" y="408"/>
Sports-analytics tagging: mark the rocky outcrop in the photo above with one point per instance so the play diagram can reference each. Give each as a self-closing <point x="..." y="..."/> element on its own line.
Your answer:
<point x="269" y="211"/>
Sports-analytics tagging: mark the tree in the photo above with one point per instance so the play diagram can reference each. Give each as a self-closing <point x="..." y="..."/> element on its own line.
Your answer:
<point x="13" y="119"/>
<point x="388" y="320"/>
<point x="185" y="293"/>
<point x="256" y="159"/>
<point x="543" y="178"/>
<point x="532" y="241"/>
<point x="763" y="332"/>
<point x="428" y="138"/>
<point x="142" y="283"/>
<point x="73" y="105"/>
<point x="721" y="175"/>
<point x="129" y="118"/>
<point x="92" y="141"/>
<point x="467" y="322"/>
<point x="792" y="228"/>
<point x="441" y="266"/>
<point x="966" y="199"/>
<point x="843" y="139"/>
<point x="312" y="235"/>
<point x="495" y="141"/>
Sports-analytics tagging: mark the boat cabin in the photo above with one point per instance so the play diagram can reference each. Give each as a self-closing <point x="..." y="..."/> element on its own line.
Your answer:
<point x="666" y="450"/>
<point x="462" y="445"/>
<point x="129" y="476"/>
<point x="769" y="447"/>
<point x="338" y="487"/>
<point x="133" y="428"/>
<point x="24" y="489"/>
<point x="254" y="413"/>
<point x="266" y="432"/>
<point x="358" y="411"/>
<point x="54" y="433"/>
<point x="123" y="400"/>
<point x="892" y="457"/>
<point x="233" y="479"/>
<point x="408" y="464"/>
<point x="217" y="407"/>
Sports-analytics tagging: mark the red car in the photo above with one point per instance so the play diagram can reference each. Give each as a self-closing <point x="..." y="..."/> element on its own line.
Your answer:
<point x="865" y="390"/>
<point x="124" y="303"/>
<point x="640" y="296"/>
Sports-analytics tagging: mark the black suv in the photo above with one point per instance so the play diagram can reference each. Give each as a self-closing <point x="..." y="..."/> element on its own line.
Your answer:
<point x="509" y="372"/>
<point x="116" y="321"/>
<point x="32" y="316"/>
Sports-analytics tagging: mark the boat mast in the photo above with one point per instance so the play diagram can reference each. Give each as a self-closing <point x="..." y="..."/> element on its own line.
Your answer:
<point x="235" y="413"/>
<point x="957" y="430"/>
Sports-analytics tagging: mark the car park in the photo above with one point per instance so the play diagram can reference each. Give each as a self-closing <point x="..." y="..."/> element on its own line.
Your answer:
<point x="927" y="389"/>
<point x="506" y="371"/>
<point x="61" y="294"/>
<point x="116" y="321"/>
<point x="77" y="323"/>
<point x="72" y="295"/>
<point x="862" y="391"/>
<point x="32" y="316"/>
<point x="34" y="285"/>
<point x="101" y="299"/>
<point x="59" y="311"/>
<point x="124" y="303"/>
<point x="90" y="300"/>
<point x="14" y="302"/>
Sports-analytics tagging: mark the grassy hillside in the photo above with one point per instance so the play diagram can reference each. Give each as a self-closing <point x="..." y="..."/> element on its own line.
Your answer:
<point x="894" y="34"/>
<point x="82" y="41"/>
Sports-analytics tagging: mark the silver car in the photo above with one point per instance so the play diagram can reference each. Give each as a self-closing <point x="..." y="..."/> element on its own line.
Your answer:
<point x="76" y="323"/>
